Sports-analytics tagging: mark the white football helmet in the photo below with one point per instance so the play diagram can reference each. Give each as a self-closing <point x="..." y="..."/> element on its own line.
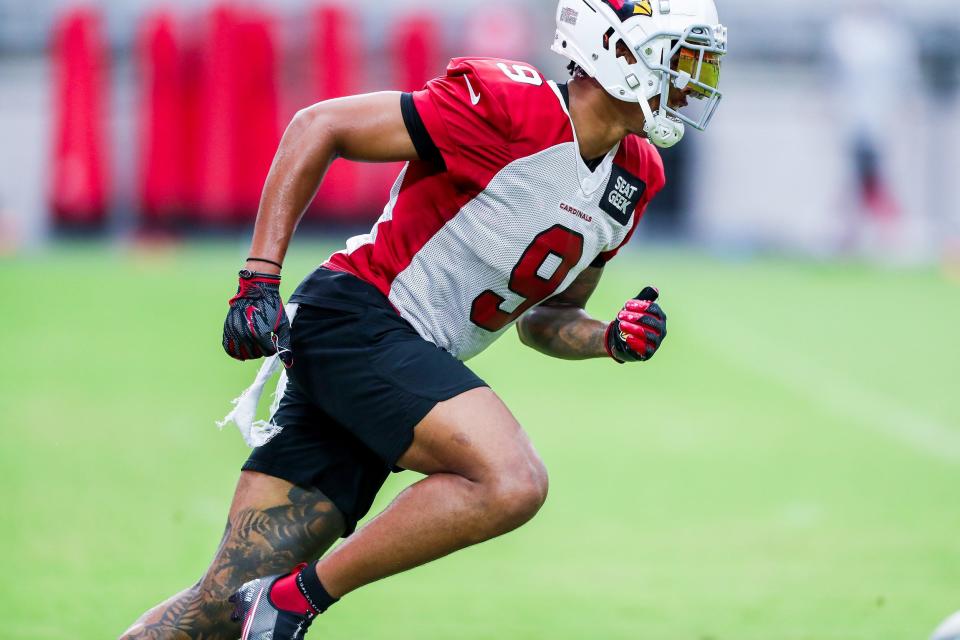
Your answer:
<point x="675" y="42"/>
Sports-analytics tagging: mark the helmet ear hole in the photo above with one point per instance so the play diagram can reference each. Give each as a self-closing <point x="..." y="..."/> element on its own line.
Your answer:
<point x="606" y="38"/>
<point x="623" y="51"/>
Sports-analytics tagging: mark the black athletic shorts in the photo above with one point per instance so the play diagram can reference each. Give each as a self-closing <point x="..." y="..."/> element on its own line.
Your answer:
<point x="361" y="380"/>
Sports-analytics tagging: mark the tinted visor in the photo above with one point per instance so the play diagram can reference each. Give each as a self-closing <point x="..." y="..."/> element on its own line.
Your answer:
<point x="703" y="67"/>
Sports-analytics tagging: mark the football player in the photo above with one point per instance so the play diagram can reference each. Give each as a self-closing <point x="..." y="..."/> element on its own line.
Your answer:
<point x="516" y="192"/>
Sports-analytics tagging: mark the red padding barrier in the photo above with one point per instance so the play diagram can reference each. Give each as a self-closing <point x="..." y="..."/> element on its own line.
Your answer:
<point x="337" y="67"/>
<point x="191" y="77"/>
<point x="257" y="100"/>
<point x="238" y="114"/>
<point x="80" y="186"/>
<point x="216" y="202"/>
<point x="499" y="31"/>
<point x="163" y="178"/>
<point x="417" y="55"/>
<point x="416" y="51"/>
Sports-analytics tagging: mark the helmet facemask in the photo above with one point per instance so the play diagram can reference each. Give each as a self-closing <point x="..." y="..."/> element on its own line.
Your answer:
<point x="693" y="61"/>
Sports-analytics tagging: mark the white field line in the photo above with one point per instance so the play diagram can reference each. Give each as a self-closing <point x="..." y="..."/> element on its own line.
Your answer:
<point x="845" y="398"/>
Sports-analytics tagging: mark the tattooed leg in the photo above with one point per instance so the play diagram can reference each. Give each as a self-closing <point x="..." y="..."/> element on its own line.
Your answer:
<point x="272" y="526"/>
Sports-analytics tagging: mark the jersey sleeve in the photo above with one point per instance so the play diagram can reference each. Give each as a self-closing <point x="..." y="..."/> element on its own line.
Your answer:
<point x="648" y="165"/>
<point x="466" y="121"/>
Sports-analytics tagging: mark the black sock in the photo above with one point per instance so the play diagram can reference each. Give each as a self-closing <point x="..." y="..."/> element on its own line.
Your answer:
<point x="313" y="590"/>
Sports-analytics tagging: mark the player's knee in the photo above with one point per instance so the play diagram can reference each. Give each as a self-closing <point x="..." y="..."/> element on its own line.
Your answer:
<point x="518" y="494"/>
<point x="516" y="505"/>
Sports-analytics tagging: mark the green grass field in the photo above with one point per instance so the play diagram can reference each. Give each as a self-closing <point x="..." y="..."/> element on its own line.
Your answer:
<point x="786" y="468"/>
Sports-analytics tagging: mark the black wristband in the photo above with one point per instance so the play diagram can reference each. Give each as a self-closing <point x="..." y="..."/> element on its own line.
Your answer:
<point x="276" y="264"/>
<point x="246" y="274"/>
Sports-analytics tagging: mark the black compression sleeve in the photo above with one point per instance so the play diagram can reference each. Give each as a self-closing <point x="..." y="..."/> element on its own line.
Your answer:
<point x="422" y="141"/>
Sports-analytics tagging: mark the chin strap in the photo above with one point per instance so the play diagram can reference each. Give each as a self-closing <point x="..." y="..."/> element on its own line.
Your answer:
<point x="661" y="129"/>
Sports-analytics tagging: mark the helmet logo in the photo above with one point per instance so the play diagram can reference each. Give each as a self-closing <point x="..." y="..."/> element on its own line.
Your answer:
<point x="626" y="9"/>
<point x="643" y="8"/>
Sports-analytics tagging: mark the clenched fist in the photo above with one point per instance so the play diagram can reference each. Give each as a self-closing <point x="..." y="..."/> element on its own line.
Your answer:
<point x="639" y="329"/>
<point x="256" y="324"/>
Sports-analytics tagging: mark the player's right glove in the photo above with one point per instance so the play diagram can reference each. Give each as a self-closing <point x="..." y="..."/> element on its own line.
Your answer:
<point x="639" y="329"/>
<point x="256" y="324"/>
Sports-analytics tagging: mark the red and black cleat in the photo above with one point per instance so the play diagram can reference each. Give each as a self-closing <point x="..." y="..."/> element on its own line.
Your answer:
<point x="268" y="615"/>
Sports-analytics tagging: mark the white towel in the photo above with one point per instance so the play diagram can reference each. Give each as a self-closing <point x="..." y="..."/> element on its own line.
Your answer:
<point x="257" y="433"/>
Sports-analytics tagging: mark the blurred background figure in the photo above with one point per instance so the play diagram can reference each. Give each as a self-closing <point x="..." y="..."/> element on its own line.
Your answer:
<point x="873" y="65"/>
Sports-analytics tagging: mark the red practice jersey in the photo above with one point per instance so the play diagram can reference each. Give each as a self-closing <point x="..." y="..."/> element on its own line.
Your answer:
<point x="510" y="217"/>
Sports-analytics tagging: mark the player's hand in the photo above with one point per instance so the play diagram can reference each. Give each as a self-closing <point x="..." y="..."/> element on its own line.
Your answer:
<point x="639" y="329"/>
<point x="256" y="323"/>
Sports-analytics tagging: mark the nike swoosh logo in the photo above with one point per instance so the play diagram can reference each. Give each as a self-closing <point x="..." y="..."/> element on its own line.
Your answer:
<point x="474" y="97"/>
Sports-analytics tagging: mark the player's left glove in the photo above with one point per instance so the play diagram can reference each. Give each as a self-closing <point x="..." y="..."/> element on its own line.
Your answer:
<point x="639" y="329"/>
<point x="256" y="324"/>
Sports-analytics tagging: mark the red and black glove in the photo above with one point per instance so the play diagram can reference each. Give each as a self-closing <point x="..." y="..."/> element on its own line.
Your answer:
<point x="256" y="323"/>
<point x="639" y="329"/>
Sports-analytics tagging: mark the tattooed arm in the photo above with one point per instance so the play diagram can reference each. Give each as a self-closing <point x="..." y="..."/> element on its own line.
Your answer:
<point x="273" y="525"/>
<point x="560" y="327"/>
